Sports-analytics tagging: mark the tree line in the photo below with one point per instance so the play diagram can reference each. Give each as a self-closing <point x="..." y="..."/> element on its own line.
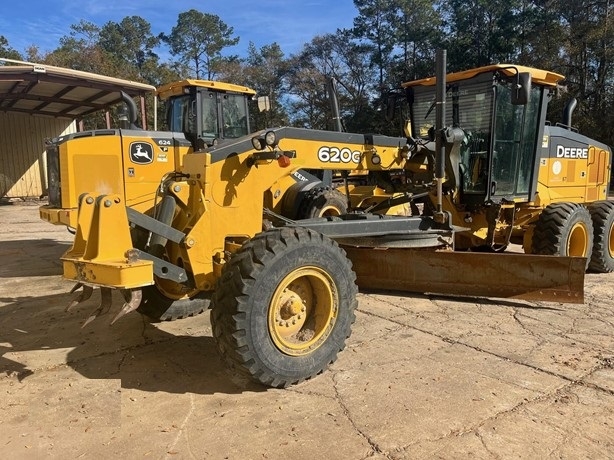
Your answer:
<point x="391" y="41"/>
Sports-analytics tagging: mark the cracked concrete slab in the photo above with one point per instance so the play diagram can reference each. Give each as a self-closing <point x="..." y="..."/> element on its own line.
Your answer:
<point x="421" y="377"/>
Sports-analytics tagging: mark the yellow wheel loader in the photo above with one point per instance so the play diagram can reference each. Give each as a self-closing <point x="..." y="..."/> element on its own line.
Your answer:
<point x="283" y="290"/>
<point x="206" y="112"/>
<point x="134" y="163"/>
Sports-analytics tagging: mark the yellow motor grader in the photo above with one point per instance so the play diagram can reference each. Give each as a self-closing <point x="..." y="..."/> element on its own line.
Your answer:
<point x="514" y="177"/>
<point x="282" y="291"/>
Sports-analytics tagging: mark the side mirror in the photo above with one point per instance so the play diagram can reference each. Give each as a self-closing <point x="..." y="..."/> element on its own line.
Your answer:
<point x="522" y="92"/>
<point x="391" y="101"/>
<point x="264" y="104"/>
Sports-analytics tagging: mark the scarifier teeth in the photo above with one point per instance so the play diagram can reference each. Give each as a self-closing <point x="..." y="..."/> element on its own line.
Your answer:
<point x="133" y="300"/>
<point x="103" y="308"/>
<point x="85" y="294"/>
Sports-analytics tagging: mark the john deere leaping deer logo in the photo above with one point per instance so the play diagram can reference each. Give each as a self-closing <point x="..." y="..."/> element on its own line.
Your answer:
<point x="141" y="153"/>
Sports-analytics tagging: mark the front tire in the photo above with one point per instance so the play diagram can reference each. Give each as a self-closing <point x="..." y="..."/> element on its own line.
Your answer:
<point x="284" y="306"/>
<point x="602" y="213"/>
<point x="564" y="229"/>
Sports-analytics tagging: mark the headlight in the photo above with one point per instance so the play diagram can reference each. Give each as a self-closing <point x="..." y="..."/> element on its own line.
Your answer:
<point x="270" y="138"/>
<point x="258" y="143"/>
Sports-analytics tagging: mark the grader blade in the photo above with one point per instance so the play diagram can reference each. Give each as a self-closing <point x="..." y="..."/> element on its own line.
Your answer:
<point x="504" y="275"/>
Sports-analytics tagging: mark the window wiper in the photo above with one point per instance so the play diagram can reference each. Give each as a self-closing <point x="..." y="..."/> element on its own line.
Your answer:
<point x="428" y="112"/>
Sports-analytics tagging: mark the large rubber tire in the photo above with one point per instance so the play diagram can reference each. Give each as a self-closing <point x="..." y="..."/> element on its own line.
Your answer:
<point x="602" y="213"/>
<point x="322" y="202"/>
<point x="564" y="229"/>
<point x="158" y="307"/>
<point x="284" y="306"/>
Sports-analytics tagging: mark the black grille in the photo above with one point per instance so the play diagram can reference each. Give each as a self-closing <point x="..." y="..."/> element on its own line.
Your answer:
<point x="53" y="175"/>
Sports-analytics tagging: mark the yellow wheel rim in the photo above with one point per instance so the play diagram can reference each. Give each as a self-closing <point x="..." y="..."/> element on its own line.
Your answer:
<point x="577" y="244"/>
<point x="330" y="211"/>
<point x="174" y="291"/>
<point x="303" y="311"/>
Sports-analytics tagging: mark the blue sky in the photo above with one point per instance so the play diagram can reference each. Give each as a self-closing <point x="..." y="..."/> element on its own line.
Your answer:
<point x="290" y="23"/>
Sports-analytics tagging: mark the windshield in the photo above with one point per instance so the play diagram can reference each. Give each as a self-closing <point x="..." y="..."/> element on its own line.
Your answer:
<point x="209" y="129"/>
<point x="224" y="116"/>
<point x="182" y="117"/>
<point x="469" y="106"/>
<point x="514" y="142"/>
<point x="234" y="115"/>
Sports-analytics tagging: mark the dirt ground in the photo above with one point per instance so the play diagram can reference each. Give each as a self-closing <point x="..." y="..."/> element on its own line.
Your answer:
<point x="421" y="377"/>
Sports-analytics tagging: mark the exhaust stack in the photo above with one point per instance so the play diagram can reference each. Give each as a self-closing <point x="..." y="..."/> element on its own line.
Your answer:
<point x="568" y="111"/>
<point x="440" y="114"/>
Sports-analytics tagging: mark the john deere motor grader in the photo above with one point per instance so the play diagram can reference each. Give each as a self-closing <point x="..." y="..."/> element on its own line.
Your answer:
<point x="283" y="291"/>
<point x="512" y="177"/>
<point x="135" y="163"/>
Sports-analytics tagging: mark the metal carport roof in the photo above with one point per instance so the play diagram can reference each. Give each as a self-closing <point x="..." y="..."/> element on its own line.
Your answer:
<point x="58" y="92"/>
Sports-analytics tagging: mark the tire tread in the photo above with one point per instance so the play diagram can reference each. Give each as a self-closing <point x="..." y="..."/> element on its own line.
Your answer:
<point x="230" y="303"/>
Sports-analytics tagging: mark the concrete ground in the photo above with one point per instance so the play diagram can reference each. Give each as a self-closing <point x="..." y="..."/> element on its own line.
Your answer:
<point x="421" y="377"/>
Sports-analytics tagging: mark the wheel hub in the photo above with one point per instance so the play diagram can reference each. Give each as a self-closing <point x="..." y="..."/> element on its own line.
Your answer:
<point x="292" y="307"/>
<point x="302" y="311"/>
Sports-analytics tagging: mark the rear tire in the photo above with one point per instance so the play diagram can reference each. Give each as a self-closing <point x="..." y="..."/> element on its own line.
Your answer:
<point x="602" y="214"/>
<point x="284" y="306"/>
<point x="322" y="202"/>
<point x="564" y="229"/>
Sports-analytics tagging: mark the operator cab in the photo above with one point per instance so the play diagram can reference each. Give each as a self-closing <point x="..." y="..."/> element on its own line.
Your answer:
<point x="207" y="112"/>
<point x="501" y="110"/>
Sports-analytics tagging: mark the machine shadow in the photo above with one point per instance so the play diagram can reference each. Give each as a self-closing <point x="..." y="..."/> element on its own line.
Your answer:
<point x="31" y="257"/>
<point x="179" y="357"/>
<point x="140" y="354"/>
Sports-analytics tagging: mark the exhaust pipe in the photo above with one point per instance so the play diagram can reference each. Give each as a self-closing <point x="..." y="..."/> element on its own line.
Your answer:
<point x="568" y="111"/>
<point x="334" y="104"/>
<point x="440" y="114"/>
<point x="132" y="110"/>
